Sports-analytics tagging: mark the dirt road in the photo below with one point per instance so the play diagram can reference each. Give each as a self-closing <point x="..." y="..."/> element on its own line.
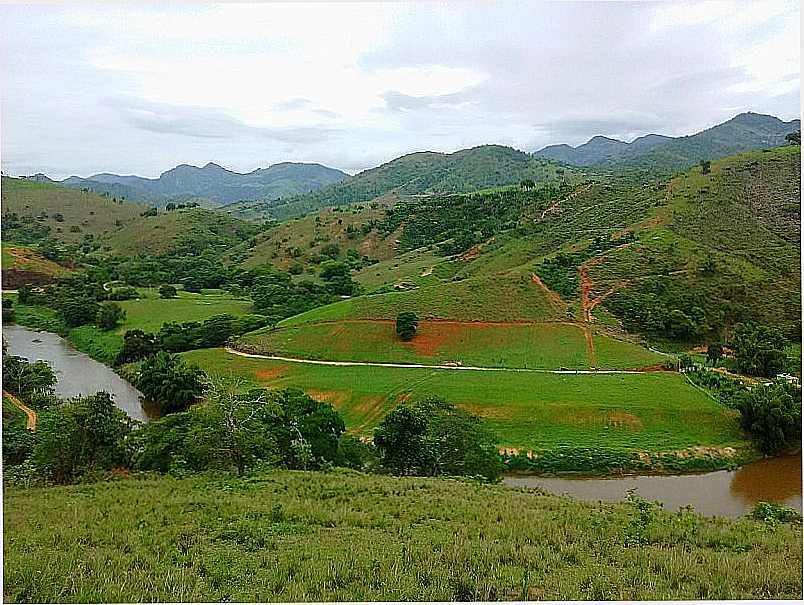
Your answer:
<point x="31" y="422"/>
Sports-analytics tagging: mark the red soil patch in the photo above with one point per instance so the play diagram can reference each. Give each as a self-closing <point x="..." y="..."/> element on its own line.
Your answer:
<point x="270" y="374"/>
<point x="431" y="335"/>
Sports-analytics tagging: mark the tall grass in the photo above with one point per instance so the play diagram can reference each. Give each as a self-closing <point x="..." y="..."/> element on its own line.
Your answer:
<point x="293" y="536"/>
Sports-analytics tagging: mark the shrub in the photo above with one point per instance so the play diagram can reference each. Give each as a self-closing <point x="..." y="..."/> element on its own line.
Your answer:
<point x="167" y="380"/>
<point x="406" y="324"/>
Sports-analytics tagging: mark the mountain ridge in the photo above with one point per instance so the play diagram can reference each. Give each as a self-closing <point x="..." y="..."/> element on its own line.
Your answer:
<point x="743" y="132"/>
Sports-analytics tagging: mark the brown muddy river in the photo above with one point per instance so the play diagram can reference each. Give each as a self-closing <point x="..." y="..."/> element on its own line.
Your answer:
<point x="721" y="493"/>
<point x="77" y="373"/>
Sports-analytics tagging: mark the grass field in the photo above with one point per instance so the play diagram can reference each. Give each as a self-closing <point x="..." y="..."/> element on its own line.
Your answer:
<point x="653" y="412"/>
<point x="344" y="536"/>
<point x="509" y="297"/>
<point x="518" y="345"/>
<point x="150" y="312"/>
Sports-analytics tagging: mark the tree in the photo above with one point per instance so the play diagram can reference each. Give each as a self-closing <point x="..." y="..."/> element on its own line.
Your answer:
<point x="8" y="310"/>
<point x="109" y="316"/>
<point x="25" y="379"/>
<point x="759" y="350"/>
<point x="170" y="382"/>
<point x="433" y="437"/>
<point x="772" y="415"/>
<point x="24" y="293"/>
<point x="167" y="291"/>
<point x="527" y="184"/>
<point x="714" y="352"/>
<point x="78" y="310"/>
<point x="82" y="434"/>
<point x="233" y="428"/>
<point x="794" y="138"/>
<point x="136" y="345"/>
<point x="406" y="324"/>
<point x="706" y="166"/>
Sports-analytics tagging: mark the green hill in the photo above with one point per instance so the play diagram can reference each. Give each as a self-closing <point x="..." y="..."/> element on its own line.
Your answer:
<point x="427" y="172"/>
<point x="34" y="210"/>
<point x="193" y="229"/>
<point x="344" y="536"/>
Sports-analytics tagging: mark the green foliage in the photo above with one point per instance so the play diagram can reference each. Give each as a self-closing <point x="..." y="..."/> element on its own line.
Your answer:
<point x="137" y="345"/>
<point x="27" y="379"/>
<point x="772" y="415"/>
<point x="109" y="316"/>
<point x="18" y="441"/>
<point x="794" y="138"/>
<point x="759" y="350"/>
<point x="167" y="291"/>
<point x="770" y="512"/>
<point x="714" y="352"/>
<point x="433" y="437"/>
<point x="406" y="324"/>
<point x="170" y="382"/>
<point x="276" y="295"/>
<point x="81" y="435"/>
<point x="706" y="166"/>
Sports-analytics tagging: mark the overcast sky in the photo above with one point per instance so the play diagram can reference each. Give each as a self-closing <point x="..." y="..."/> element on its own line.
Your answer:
<point x="137" y="89"/>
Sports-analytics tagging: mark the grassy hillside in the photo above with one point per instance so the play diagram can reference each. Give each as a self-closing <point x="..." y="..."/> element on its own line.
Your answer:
<point x="726" y="243"/>
<point x="626" y="414"/>
<point x="193" y="229"/>
<point x="428" y="172"/>
<point x="25" y="265"/>
<point x="513" y="345"/>
<point x="44" y="209"/>
<point x="298" y="241"/>
<point x="342" y="536"/>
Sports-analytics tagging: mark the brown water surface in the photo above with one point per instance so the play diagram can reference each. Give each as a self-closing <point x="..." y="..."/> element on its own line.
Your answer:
<point x="721" y="493"/>
<point x="77" y="373"/>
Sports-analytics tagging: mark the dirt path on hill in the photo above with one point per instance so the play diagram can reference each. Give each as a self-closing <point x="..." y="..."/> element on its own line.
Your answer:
<point x="554" y="298"/>
<point x="376" y="364"/>
<point x="31" y="422"/>
<point x="554" y="206"/>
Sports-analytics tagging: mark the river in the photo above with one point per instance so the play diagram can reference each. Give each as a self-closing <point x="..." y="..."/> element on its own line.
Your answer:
<point x="724" y="493"/>
<point x="77" y="373"/>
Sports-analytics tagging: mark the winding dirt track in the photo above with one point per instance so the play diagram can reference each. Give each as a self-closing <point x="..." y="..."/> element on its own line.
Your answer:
<point x="31" y="422"/>
<point x="376" y="364"/>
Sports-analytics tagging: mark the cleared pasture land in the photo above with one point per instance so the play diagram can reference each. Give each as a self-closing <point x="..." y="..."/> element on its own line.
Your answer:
<point x="150" y="313"/>
<point x="549" y="345"/>
<point x="653" y="412"/>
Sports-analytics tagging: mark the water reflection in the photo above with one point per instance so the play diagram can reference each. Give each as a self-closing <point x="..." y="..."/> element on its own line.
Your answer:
<point x="723" y="493"/>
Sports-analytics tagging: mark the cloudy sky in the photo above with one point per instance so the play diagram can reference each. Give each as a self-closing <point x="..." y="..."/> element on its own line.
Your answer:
<point x="137" y="89"/>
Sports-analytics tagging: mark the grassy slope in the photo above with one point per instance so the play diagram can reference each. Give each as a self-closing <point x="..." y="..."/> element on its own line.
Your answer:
<point x="645" y="412"/>
<point x="89" y="212"/>
<point x="342" y="536"/>
<point x="744" y="216"/>
<point x="160" y="234"/>
<point x="548" y="346"/>
<point x="27" y="258"/>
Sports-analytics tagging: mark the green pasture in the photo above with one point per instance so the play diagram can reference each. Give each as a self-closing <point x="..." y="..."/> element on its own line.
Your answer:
<point x="653" y="412"/>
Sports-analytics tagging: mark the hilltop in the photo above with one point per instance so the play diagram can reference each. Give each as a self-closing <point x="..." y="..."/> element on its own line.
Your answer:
<point x="213" y="183"/>
<point x="427" y="172"/>
<point x="34" y="210"/>
<point x="744" y="132"/>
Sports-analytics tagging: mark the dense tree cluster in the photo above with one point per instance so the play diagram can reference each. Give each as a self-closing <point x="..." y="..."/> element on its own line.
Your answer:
<point x="772" y="415"/>
<point x="758" y="350"/>
<point x="433" y="437"/>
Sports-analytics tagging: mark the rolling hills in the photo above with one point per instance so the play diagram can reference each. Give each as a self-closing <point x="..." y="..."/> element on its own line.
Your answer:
<point x="427" y="172"/>
<point x="744" y="132"/>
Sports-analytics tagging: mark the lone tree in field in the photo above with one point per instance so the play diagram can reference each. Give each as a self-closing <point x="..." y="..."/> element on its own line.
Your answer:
<point x="406" y="324"/>
<point x="706" y="166"/>
<point x="167" y="291"/>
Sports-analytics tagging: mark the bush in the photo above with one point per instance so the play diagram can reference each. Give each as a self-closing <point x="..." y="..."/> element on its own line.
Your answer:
<point x="434" y="437"/>
<point x="772" y="415"/>
<point x="167" y="291"/>
<point x="406" y="324"/>
<point x="81" y="435"/>
<point x="167" y="380"/>
<point x="109" y="316"/>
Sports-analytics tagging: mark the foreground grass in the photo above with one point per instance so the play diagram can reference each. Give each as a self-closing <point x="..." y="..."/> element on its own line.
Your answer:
<point x="539" y="345"/>
<point x="656" y="412"/>
<point x="343" y="536"/>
